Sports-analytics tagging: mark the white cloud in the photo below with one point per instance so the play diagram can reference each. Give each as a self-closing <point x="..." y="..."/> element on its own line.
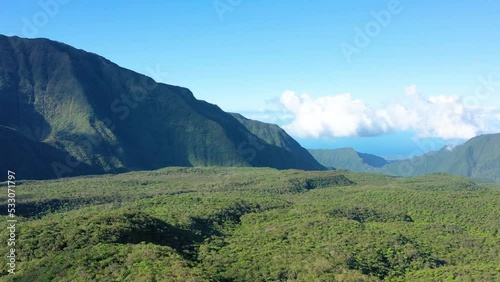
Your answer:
<point x="343" y="115"/>
<point x="270" y="116"/>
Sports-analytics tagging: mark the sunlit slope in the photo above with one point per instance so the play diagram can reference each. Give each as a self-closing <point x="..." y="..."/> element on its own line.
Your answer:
<point x="113" y="119"/>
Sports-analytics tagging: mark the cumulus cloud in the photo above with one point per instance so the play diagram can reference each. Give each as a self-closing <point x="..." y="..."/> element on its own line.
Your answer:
<point x="271" y="116"/>
<point x="344" y="115"/>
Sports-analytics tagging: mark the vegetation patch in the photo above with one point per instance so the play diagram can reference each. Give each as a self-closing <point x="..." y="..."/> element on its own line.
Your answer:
<point x="392" y="258"/>
<point x="320" y="182"/>
<point x="362" y="215"/>
<point x="440" y="181"/>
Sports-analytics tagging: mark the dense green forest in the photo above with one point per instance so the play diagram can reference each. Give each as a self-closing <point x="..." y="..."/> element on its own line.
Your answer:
<point x="255" y="224"/>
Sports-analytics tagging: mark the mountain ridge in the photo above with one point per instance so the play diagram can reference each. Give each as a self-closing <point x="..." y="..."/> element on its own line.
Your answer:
<point x="478" y="158"/>
<point x="113" y="119"/>
<point x="347" y="158"/>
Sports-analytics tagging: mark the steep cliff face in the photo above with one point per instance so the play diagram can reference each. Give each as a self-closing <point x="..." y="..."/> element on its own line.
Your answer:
<point x="112" y="119"/>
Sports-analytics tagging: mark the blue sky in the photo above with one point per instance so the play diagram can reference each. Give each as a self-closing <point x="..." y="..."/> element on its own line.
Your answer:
<point x="418" y="75"/>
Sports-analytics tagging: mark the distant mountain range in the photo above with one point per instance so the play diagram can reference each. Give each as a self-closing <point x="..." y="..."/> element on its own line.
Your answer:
<point x="66" y="112"/>
<point x="348" y="158"/>
<point x="478" y="159"/>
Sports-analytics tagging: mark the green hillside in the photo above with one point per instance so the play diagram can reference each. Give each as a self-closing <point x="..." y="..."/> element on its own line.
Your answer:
<point x="275" y="135"/>
<point x="30" y="157"/>
<point x="255" y="224"/>
<point x="478" y="158"/>
<point x="348" y="158"/>
<point x="112" y="119"/>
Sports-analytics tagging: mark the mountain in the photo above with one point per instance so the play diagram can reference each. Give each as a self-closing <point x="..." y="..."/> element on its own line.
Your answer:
<point x="478" y="158"/>
<point x="275" y="135"/>
<point x="31" y="158"/>
<point x="105" y="118"/>
<point x="348" y="158"/>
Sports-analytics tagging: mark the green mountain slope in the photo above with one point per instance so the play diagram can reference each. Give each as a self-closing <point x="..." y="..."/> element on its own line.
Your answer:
<point x="275" y="135"/>
<point x="478" y="158"/>
<point x="348" y="158"/>
<point x="31" y="158"/>
<point x="112" y="119"/>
